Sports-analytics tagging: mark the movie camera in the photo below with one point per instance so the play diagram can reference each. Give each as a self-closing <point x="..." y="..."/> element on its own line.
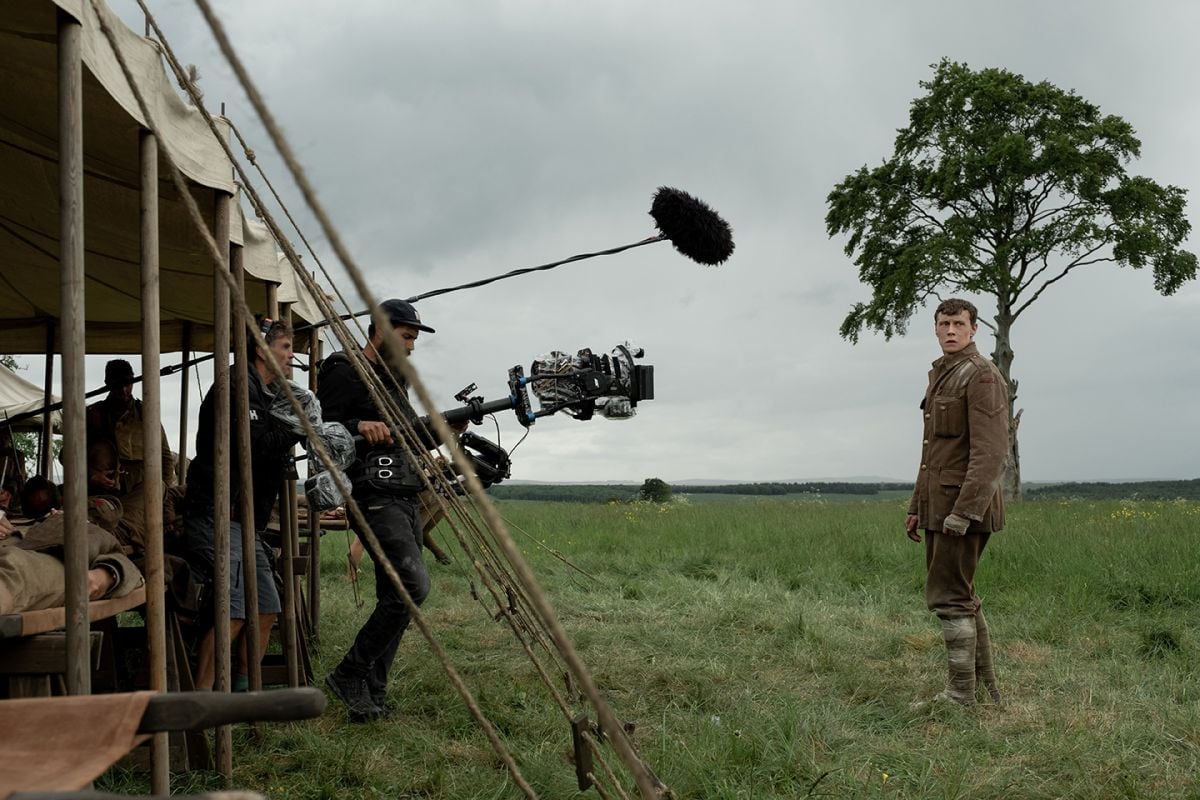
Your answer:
<point x="582" y="385"/>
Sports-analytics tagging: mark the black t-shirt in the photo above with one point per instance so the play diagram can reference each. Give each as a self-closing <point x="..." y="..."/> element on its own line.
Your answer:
<point x="345" y="399"/>
<point x="270" y="447"/>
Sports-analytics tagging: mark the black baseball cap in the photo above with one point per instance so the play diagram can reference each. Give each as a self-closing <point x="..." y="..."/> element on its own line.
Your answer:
<point x="402" y="312"/>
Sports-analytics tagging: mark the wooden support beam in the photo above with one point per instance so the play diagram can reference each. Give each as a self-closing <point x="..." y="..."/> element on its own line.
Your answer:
<point x="286" y="566"/>
<point x="184" y="392"/>
<point x="314" y="519"/>
<point x="43" y="654"/>
<point x="152" y="481"/>
<point x="72" y="314"/>
<point x="221" y="460"/>
<point x="242" y="364"/>
<point x="46" y="448"/>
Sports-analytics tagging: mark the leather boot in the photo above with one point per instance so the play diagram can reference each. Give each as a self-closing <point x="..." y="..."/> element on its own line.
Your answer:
<point x="959" y="634"/>
<point x="985" y="671"/>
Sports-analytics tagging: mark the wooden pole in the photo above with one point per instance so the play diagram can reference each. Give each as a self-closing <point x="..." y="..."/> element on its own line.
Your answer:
<point x="291" y="652"/>
<point x="242" y="364"/>
<point x="221" y="502"/>
<point x="46" y="450"/>
<point x="184" y="392"/>
<point x="152" y="485"/>
<point x="72" y="314"/>
<point x="314" y="520"/>
<point x="287" y="541"/>
<point x="289" y="502"/>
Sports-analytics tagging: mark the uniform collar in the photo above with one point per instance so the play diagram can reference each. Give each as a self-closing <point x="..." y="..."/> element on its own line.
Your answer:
<point x="954" y="358"/>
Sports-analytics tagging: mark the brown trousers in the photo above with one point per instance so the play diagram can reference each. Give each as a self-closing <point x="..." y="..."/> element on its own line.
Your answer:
<point x="950" y="563"/>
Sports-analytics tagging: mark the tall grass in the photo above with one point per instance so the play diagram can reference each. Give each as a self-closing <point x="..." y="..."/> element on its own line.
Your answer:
<point x="772" y="650"/>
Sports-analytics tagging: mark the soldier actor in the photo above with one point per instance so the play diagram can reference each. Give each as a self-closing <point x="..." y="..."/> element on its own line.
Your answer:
<point x="958" y="500"/>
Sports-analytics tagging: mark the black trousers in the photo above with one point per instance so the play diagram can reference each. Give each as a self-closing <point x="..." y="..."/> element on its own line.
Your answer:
<point x="396" y="522"/>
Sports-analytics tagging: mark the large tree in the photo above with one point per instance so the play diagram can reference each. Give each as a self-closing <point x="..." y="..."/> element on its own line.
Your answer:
<point x="1001" y="187"/>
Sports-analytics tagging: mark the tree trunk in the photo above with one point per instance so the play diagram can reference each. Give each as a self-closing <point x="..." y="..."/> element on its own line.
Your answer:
<point x="1003" y="358"/>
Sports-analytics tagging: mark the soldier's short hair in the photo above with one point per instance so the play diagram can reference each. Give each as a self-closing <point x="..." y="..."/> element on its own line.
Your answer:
<point x="39" y="497"/>
<point x="956" y="305"/>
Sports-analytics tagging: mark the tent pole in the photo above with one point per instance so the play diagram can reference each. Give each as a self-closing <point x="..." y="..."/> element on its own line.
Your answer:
<point x="184" y="392"/>
<point x="287" y="622"/>
<point x="72" y="315"/>
<point x="46" y="448"/>
<point x="289" y="489"/>
<point x="152" y="486"/>
<point x="221" y="499"/>
<point x="314" y="520"/>
<point x="242" y="364"/>
<point x="291" y="653"/>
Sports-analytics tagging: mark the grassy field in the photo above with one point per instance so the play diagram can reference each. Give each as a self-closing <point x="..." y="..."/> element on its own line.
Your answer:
<point x="772" y="650"/>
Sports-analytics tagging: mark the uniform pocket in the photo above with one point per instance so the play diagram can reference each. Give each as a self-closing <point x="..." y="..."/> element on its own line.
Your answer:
<point x="951" y="477"/>
<point x="949" y="416"/>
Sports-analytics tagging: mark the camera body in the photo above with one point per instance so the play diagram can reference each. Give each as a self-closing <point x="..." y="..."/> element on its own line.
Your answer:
<point x="587" y="383"/>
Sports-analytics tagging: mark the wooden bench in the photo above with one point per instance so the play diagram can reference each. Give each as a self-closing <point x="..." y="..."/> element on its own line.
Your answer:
<point x="33" y="651"/>
<point x="30" y="623"/>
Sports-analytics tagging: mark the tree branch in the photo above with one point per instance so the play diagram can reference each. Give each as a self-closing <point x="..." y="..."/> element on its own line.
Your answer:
<point x="1057" y="278"/>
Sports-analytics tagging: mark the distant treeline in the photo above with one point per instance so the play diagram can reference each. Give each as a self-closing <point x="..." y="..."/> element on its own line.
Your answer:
<point x="560" y="493"/>
<point x="623" y="493"/>
<point x="1143" y="490"/>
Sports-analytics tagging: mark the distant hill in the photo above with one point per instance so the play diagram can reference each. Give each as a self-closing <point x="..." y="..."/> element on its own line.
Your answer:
<point x="866" y="490"/>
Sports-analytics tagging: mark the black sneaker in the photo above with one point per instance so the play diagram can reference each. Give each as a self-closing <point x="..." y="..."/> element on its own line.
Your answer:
<point x="354" y="695"/>
<point x="387" y="709"/>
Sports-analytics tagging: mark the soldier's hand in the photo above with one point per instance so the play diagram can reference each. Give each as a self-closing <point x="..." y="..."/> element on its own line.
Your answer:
<point x="910" y="527"/>
<point x="956" y="525"/>
<point x="375" y="432"/>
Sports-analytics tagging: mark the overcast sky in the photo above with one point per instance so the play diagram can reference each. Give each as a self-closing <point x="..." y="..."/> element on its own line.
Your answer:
<point x="453" y="141"/>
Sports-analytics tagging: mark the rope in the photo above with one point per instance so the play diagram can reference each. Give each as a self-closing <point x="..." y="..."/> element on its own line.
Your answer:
<point x="248" y="319"/>
<point x="380" y="400"/>
<point x="608" y="720"/>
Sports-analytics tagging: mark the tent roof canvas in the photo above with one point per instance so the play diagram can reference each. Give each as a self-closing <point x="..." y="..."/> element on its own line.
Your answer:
<point x="29" y="196"/>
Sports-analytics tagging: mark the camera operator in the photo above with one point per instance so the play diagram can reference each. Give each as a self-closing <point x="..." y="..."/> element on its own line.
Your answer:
<point x="386" y="485"/>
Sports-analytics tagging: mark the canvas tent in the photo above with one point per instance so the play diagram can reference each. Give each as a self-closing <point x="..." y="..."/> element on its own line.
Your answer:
<point x="98" y="255"/>
<point x="19" y="396"/>
<point x="29" y="194"/>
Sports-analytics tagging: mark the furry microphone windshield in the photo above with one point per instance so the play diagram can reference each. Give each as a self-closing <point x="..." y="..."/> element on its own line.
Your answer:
<point x="696" y="230"/>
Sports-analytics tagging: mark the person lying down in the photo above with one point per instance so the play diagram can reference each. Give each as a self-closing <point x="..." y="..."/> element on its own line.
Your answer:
<point x="32" y="575"/>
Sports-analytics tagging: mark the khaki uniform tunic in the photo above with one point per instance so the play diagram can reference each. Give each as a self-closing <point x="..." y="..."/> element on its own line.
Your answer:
<point x="964" y="445"/>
